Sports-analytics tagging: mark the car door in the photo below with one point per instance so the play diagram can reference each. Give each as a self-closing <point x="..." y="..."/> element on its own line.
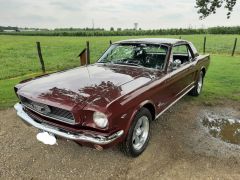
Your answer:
<point x="159" y="90"/>
<point x="182" y="77"/>
<point x="178" y="80"/>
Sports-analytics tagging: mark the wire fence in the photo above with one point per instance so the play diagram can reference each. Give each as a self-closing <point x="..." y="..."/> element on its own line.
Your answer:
<point x="18" y="54"/>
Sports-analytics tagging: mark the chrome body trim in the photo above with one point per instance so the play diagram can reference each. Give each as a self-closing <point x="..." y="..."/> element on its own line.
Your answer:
<point x="101" y="140"/>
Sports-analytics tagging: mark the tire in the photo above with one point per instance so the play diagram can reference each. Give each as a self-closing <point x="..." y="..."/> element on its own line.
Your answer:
<point x="138" y="134"/>
<point x="196" y="91"/>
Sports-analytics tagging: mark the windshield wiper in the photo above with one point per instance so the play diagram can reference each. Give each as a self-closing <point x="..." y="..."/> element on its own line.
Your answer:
<point x="131" y="64"/>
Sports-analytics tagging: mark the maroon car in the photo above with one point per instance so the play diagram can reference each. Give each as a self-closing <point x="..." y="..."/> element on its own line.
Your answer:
<point x="114" y="100"/>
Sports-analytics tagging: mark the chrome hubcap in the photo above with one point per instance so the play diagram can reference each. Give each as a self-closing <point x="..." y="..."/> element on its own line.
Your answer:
<point x="200" y="83"/>
<point x="140" y="133"/>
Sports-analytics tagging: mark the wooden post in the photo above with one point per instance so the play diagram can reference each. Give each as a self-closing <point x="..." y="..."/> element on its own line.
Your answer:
<point x="204" y="44"/>
<point x="83" y="57"/>
<point x="40" y="57"/>
<point x="234" y="46"/>
<point x="88" y="53"/>
<point x="110" y="42"/>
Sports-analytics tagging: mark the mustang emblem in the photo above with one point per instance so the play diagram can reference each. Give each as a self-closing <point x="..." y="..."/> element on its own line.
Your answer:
<point x="41" y="108"/>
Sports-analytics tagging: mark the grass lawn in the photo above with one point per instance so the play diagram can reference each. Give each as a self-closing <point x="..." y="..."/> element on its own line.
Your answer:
<point x="222" y="82"/>
<point x="18" y="55"/>
<point x="222" y="79"/>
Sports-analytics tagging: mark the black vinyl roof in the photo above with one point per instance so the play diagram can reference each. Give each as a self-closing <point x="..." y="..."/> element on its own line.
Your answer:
<point x="168" y="41"/>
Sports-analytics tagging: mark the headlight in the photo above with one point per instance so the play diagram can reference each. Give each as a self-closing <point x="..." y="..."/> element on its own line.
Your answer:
<point x="100" y="119"/>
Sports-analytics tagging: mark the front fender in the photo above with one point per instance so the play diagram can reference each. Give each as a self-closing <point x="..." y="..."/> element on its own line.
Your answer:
<point x="133" y="114"/>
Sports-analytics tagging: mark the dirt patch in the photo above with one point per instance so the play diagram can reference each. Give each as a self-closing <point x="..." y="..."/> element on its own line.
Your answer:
<point x="180" y="148"/>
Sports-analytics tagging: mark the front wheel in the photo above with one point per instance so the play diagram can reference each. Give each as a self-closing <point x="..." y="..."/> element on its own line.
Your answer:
<point x="138" y="134"/>
<point x="198" y="87"/>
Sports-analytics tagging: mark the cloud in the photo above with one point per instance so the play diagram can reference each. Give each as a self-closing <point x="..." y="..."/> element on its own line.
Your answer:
<point x="36" y="18"/>
<point x="67" y="5"/>
<point x="107" y="13"/>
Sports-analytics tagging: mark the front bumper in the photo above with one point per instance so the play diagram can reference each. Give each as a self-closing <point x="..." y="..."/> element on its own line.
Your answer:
<point x="100" y="140"/>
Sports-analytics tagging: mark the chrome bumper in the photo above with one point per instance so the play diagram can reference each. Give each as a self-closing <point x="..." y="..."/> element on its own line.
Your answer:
<point x="101" y="140"/>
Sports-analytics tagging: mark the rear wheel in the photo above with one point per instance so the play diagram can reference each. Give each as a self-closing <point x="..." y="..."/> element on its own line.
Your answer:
<point x="198" y="87"/>
<point x="138" y="134"/>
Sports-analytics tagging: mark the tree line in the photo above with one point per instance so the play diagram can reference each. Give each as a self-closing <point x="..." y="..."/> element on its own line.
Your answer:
<point x="127" y="32"/>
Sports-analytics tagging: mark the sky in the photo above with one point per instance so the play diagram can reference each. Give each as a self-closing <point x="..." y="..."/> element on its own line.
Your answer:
<point x="149" y="14"/>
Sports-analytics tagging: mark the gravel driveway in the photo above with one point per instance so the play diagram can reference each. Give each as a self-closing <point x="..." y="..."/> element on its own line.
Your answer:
<point x="180" y="148"/>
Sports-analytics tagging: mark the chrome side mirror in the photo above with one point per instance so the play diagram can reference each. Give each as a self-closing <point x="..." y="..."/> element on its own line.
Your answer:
<point x="176" y="64"/>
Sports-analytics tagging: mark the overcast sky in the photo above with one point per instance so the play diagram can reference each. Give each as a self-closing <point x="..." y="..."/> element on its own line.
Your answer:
<point x="150" y="14"/>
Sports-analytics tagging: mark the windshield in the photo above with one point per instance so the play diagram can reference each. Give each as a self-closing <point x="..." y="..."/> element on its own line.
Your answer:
<point x="145" y="55"/>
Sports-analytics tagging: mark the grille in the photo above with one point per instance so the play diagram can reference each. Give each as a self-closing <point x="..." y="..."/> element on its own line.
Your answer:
<point x="48" y="111"/>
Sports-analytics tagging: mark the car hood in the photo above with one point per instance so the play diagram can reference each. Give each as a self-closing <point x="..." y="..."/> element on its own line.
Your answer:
<point x="83" y="85"/>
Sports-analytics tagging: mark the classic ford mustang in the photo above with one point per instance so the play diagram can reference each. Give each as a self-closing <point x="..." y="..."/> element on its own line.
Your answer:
<point x="114" y="100"/>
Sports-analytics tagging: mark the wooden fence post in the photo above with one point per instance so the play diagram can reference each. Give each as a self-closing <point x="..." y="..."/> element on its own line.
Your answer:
<point x="110" y="42"/>
<point x="234" y="46"/>
<point x="83" y="57"/>
<point x="40" y="57"/>
<point x="204" y="44"/>
<point x="88" y="53"/>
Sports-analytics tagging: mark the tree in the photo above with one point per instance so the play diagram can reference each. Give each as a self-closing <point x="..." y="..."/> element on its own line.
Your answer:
<point x="208" y="7"/>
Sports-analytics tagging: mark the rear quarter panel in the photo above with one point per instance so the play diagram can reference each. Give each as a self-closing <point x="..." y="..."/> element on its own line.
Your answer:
<point x="202" y="63"/>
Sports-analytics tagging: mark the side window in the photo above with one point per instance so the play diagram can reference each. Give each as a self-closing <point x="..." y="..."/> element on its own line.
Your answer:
<point x="155" y="56"/>
<point x="180" y="50"/>
<point x="182" y="53"/>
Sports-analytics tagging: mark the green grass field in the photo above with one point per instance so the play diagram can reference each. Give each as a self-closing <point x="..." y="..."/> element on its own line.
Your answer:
<point x="19" y="60"/>
<point x="18" y="54"/>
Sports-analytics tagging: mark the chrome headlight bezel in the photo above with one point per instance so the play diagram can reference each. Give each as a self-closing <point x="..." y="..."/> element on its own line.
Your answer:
<point x="100" y="119"/>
